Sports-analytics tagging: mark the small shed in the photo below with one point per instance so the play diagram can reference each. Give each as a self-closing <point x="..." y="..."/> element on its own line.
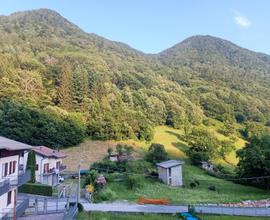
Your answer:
<point x="170" y="172"/>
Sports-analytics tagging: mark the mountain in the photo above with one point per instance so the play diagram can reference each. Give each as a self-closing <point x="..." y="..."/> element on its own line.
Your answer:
<point x="48" y="63"/>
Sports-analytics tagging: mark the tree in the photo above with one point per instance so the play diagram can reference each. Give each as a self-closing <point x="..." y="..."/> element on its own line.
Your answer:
<point x="254" y="160"/>
<point x="31" y="165"/>
<point x="120" y="149"/>
<point x="156" y="153"/>
<point x="109" y="151"/>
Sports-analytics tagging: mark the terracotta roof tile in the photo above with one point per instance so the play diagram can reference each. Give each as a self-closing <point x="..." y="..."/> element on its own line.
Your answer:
<point x="48" y="152"/>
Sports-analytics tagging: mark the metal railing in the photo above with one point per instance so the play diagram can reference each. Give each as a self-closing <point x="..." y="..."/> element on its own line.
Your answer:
<point x="71" y="213"/>
<point x="22" y="206"/>
<point x="21" y="179"/>
<point x="4" y="186"/>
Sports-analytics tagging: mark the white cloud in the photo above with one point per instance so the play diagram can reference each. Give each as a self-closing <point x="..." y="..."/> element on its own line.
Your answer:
<point x="242" y="21"/>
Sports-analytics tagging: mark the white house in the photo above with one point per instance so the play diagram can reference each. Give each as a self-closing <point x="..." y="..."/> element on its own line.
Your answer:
<point x="48" y="165"/>
<point x="13" y="174"/>
<point x="170" y="172"/>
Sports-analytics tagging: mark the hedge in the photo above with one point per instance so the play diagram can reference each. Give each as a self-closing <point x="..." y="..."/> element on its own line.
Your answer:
<point x="36" y="189"/>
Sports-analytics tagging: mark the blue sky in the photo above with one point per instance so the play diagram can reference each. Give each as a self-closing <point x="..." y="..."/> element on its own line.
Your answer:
<point x="154" y="25"/>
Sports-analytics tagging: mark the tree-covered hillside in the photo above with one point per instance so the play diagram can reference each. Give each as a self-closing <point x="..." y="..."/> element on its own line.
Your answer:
<point x="52" y="70"/>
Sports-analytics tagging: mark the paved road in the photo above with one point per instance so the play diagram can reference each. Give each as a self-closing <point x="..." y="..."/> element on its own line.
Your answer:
<point x="134" y="208"/>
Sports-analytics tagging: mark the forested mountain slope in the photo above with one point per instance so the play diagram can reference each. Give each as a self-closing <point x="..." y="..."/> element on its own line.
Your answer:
<point x="51" y="68"/>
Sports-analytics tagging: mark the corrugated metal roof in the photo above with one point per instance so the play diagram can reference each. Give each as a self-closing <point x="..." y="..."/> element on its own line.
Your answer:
<point x="11" y="145"/>
<point x="170" y="163"/>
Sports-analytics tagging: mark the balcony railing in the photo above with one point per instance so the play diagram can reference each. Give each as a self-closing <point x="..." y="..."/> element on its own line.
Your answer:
<point x="22" y="205"/>
<point x="4" y="186"/>
<point x="22" y="179"/>
<point x="55" y="170"/>
<point x="62" y="167"/>
<point x="8" y="213"/>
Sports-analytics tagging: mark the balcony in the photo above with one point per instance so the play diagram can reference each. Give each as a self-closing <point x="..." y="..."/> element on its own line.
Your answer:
<point x="4" y="186"/>
<point x="62" y="167"/>
<point x="55" y="170"/>
<point x="22" y="179"/>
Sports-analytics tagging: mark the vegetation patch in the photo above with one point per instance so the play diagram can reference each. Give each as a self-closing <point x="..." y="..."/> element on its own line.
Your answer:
<point x="36" y="189"/>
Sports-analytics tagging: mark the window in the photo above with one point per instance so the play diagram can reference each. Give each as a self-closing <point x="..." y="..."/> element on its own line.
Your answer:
<point x="170" y="181"/>
<point x="36" y="168"/>
<point x="9" y="197"/>
<point x="10" y="167"/>
<point x="170" y="171"/>
<point x="5" y="169"/>
<point x="46" y="168"/>
<point x="14" y="166"/>
<point x="58" y="164"/>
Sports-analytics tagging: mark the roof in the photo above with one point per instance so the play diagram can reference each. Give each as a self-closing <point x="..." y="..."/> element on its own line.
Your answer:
<point x="12" y="145"/>
<point x="170" y="163"/>
<point x="48" y="152"/>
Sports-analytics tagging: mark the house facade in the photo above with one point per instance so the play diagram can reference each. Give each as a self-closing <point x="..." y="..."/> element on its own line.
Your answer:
<point x="13" y="174"/>
<point x="49" y="165"/>
<point x="170" y="172"/>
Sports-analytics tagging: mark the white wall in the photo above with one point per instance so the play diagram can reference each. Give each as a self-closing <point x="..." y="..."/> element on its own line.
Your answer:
<point x="4" y="160"/>
<point x="4" y="208"/>
<point x="176" y="175"/>
<point x="39" y="173"/>
<point x="177" y="179"/>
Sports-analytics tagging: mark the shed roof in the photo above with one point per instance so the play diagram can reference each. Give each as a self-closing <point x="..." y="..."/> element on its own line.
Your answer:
<point x="48" y="152"/>
<point x="170" y="163"/>
<point x="12" y="145"/>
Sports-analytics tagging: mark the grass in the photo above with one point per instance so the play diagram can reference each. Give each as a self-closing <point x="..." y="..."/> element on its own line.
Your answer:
<point x="115" y="216"/>
<point x="172" y="140"/>
<point x="88" y="152"/>
<point x="91" y="151"/>
<point x="227" y="191"/>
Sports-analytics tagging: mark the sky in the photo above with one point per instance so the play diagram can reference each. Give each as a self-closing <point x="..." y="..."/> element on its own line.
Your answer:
<point x="154" y="25"/>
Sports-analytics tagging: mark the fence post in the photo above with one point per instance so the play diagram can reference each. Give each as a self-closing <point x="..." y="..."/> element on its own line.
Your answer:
<point x="56" y="205"/>
<point x="45" y="205"/>
<point x="67" y="205"/>
<point x="36" y="205"/>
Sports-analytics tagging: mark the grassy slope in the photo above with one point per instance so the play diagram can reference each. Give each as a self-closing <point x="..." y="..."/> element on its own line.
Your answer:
<point x="111" y="216"/>
<point x="171" y="138"/>
<point x="228" y="191"/>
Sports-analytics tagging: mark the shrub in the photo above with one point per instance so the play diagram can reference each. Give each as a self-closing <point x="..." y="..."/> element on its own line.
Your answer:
<point x="139" y="166"/>
<point x="133" y="182"/>
<point x="80" y="206"/>
<point x="36" y="189"/>
<point x="107" y="166"/>
<point x="156" y="153"/>
<point x="104" y="195"/>
<point x="197" y="157"/>
<point x="192" y="185"/>
<point x="212" y="188"/>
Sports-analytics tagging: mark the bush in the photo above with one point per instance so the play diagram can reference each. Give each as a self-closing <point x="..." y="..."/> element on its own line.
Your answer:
<point x="156" y="153"/>
<point x="196" y="158"/>
<point x="36" y="189"/>
<point x="104" y="195"/>
<point x="212" y="188"/>
<point x="133" y="182"/>
<point x="80" y="206"/>
<point x="139" y="166"/>
<point x="107" y="166"/>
